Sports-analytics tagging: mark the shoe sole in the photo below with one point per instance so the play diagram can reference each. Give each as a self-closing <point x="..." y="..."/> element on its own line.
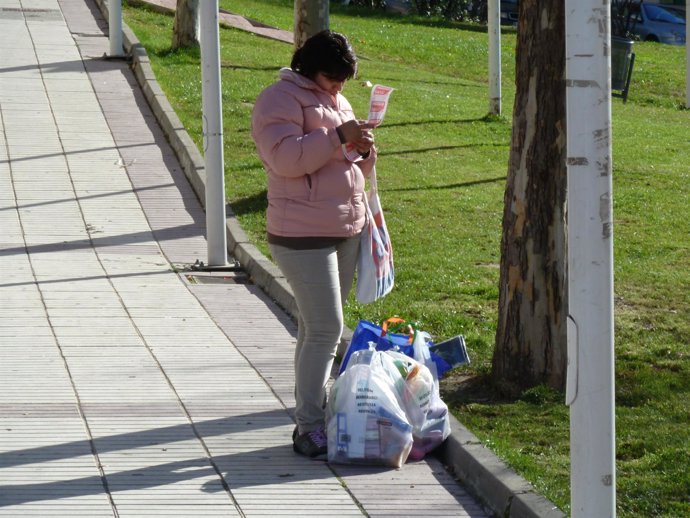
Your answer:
<point x="315" y="457"/>
<point x="318" y="456"/>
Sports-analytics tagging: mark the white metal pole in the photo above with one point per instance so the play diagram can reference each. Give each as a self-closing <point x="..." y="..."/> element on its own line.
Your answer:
<point x="213" y="133"/>
<point x="590" y="387"/>
<point x="115" y="27"/>
<point x="494" y="28"/>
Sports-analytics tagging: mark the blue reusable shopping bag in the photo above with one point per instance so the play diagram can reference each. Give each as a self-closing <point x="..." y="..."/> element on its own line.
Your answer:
<point x="367" y="332"/>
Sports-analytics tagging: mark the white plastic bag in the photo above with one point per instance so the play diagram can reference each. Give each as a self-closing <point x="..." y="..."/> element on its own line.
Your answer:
<point x="417" y="390"/>
<point x="436" y="426"/>
<point x="434" y="431"/>
<point x="365" y="416"/>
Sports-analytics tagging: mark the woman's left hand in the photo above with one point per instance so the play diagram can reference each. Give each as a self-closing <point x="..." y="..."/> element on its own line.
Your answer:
<point x="365" y="142"/>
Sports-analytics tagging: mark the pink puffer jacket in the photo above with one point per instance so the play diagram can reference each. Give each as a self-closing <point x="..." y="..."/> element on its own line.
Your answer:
<point x="313" y="190"/>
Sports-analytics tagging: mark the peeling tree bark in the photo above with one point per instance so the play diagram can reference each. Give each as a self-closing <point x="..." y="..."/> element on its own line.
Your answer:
<point x="186" y="24"/>
<point x="531" y="335"/>
<point x="311" y="17"/>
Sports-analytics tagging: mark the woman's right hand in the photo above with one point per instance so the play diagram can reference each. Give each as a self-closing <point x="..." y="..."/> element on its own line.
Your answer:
<point x="354" y="131"/>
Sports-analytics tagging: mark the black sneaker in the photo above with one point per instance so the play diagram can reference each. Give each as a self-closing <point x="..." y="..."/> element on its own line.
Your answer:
<point x="312" y="444"/>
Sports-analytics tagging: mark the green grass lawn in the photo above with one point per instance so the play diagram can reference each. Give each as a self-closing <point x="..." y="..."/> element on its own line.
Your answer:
<point x="442" y="170"/>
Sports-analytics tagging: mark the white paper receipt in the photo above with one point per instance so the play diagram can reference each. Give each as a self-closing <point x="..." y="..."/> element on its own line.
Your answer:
<point x="377" y="109"/>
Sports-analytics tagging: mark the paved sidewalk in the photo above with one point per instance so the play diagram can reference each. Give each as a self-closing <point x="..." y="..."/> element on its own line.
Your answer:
<point x="129" y="385"/>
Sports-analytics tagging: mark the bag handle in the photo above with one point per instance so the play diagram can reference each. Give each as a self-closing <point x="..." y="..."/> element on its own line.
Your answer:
<point x="373" y="184"/>
<point x="397" y="324"/>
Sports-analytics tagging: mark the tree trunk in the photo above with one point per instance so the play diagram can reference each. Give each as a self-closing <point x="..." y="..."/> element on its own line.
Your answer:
<point x="531" y="335"/>
<point x="311" y="17"/>
<point x="186" y="24"/>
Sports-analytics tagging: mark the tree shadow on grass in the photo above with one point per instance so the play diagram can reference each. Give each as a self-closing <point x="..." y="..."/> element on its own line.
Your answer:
<point x="256" y="203"/>
<point x="448" y="186"/>
<point x="460" y="388"/>
<point x="434" y="121"/>
<point x="230" y="66"/>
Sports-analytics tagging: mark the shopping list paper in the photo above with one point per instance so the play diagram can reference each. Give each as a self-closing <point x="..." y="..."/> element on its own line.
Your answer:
<point x="378" y="103"/>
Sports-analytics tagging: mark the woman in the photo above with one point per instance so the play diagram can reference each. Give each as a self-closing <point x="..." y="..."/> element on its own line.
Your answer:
<point x="316" y="212"/>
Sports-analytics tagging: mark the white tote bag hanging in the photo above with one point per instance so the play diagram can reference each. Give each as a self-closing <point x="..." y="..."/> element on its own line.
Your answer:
<point x="375" y="272"/>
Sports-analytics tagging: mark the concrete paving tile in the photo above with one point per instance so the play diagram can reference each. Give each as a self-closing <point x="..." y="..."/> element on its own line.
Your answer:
<point x="36" y="166"/>
<point x="56" y="83"/>
<point x="33" y="310"/>
<point x="60" y="510"/>
<point x="43" y="189"/>
<point x="34" y="322"/>
<point x="11" y="333"/>
<point x="99" y="341"/>
<point x="28" y="97"/>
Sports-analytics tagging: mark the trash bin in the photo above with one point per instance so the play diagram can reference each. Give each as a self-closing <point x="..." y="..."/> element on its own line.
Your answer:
<point x="621" y="53"/>
<point x="622" y="59"/>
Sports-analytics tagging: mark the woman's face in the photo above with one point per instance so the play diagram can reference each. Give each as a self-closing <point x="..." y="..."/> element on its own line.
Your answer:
<point x="331" y="85"/>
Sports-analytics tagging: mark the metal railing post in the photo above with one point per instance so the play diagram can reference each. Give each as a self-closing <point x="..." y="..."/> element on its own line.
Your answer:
<point x="494" y="29"/>
<point x="590" y="382"/>
<point x="115" y="28"/>
<point x="213" y="134"/>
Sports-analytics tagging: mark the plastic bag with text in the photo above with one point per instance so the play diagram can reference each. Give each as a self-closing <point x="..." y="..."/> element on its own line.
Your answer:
<point x="366" y="420"/>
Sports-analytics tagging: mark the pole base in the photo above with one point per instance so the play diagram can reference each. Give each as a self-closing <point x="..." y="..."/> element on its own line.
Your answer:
<point x="233" y="265"/>
<point x="121" y="57"/>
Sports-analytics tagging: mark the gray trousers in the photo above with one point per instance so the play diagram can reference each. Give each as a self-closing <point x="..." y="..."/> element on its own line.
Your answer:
<point x="321" y="280"/>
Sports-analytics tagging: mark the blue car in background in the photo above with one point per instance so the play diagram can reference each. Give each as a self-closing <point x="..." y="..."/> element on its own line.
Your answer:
<point x="509" y="12"/>
<point x="656" y="23"/>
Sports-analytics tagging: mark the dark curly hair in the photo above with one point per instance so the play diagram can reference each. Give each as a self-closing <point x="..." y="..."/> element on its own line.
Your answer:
<point x="327" y="52"/>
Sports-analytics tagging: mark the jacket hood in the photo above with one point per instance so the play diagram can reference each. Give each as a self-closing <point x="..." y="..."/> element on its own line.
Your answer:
<point x="287" y="74"/>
